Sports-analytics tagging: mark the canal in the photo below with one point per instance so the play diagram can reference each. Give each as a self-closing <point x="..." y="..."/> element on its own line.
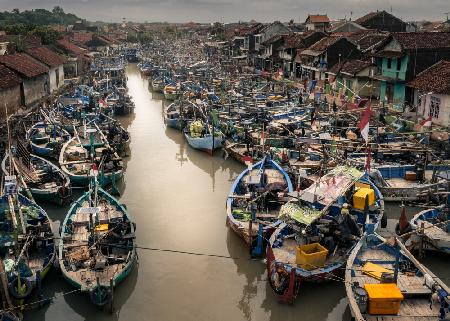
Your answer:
<point x="176" y="196"/>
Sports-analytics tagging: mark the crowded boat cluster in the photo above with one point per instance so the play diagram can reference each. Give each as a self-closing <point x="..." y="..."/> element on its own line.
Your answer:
<point x="312" y="197"/>
<point x="71" y="143"/>
<point x="310" y="200"/>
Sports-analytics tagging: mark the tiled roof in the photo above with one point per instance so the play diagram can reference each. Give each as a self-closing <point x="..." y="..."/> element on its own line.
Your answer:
<point x="324" y="43"/>
<point x="368" y="16"/>
<point x="70" y="47"/>
<point x="371" y="40"/>
<point x="23" y="64"/>
<point x="47" y="56"/>
<point x="351" y="67"/>
<point x="318" y="18"/>
<point x="8" y="78"/>
<point x="435" y="79"/>
<point x="81" y="37"/>
<point x="423" y="40"/>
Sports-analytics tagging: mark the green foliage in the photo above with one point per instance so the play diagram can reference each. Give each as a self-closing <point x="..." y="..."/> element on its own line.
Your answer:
<point x="48" y="36"/>
<point x="37" y="17"/>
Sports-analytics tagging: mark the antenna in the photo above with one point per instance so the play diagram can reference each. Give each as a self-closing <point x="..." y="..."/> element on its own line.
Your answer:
<point x="446" y="13"/>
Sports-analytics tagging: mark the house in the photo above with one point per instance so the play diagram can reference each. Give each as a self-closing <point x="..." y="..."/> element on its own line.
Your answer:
<point x="53" y="61"/>
<point x="10" y="91"/>
<point x="293" y="43"/>
<point x="346" y="26"/>
<point x="432" y="93"/>
<point x="382" y="20"/>
<point x="403" y="57"/>
<point x="354" y="77"/>
<point x="251" y="42"/>
<point x="324" y="54"/>
<point x="77" y="62"/>
<point x="369" y="41"/>
<point x="317" y="22"/>
<point x="264" y="43"/>
<point x="34" y="75"/>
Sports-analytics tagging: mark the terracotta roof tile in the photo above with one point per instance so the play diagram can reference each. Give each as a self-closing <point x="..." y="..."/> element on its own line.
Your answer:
<point x="318" y="18"/>
<point x="324" y="43"/>
<point x="423" y="40"/>
<point x="70" y="47"/>
<point x="23" y="64"/>
<point x="435" y="79"/>
<point x="46" y="55"/>
<point x="8" y="78"/>
<point x="351" y="67"/>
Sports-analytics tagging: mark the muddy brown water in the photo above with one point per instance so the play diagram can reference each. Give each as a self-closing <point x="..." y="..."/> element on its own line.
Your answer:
<point x="177" y="195"/>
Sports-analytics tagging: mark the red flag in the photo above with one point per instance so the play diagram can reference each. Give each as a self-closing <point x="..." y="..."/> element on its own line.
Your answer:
<point x="246" y="159"/>
<point x="94" y="166"/>
<point x="364" y="123"/>
<point x="426" y="122"/>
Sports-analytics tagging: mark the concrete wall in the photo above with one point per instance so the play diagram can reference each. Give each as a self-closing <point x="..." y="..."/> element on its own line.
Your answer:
<point x="56" y="76"/>
<point x="12" y="98"/>
<point x="443" y="118"/>
<point x="35" y="89"/>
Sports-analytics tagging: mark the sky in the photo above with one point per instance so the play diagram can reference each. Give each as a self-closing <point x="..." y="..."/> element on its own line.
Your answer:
<point x="234" y="10"/>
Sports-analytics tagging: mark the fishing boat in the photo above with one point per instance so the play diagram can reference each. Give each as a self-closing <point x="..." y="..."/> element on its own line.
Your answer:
<point x="320" y="228"/>
<point x="255" y="199"/>
<point x="402" y="183"/>
<point x="42" y="178"/>
<point x="384" y="282"/>
<point x="27" y="241"/>
<point x="76" y="161"/>
<point x="170" y="92"/>
<point x="47" y="139"/>
<point x="203" y="136"/>
<point x="432" y="228"/>
<point x="97" y="249"/>
<point x="158" y="85"/>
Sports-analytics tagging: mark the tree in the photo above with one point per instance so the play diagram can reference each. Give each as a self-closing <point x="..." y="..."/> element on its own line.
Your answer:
<point x="57" y="10"/>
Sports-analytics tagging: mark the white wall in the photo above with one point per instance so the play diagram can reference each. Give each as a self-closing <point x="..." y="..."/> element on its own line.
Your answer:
<point x="444" y="110"/>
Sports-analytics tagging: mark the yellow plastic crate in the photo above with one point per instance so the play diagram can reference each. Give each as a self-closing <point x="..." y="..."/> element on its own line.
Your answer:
<point x="359" y="198"/>
<point x="384" y="298"/>
<point x="311" y="256"/>
<point x="102" y="228"/>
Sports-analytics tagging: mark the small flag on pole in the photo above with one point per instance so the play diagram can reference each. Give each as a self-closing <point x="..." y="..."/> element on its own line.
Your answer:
<point x="364" y="123"/>
<point x="101" y="103"/>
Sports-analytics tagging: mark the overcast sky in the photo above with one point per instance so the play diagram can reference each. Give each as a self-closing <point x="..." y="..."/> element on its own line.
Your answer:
<point x="234" y="10"/>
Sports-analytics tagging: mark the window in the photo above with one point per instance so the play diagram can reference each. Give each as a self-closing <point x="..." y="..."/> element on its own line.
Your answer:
<point x="435" y="105"/>
<point x="399" y="64"/>
<point x="389" y="63"/>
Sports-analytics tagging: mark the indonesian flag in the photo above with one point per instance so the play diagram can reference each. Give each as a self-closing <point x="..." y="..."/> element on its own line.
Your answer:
<point x="364" y="123"/>
<point x="247" y="161"/>
<point x="101" y="103"/>
<point x="426" y="122"/>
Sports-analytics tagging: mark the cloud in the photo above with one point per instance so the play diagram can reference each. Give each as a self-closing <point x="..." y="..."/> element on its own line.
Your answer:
<point x="234" y="10"/>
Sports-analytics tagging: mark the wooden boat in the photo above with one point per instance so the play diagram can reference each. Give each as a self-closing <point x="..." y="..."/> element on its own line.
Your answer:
<point x="396" y="185"/>
<point x="319" y="222"/>
<point x="171" y="92"/>
<point x="199" y="136"/>
<point x="42" y="178"/>
<point x="433" y="230"/>
<point x="255" y="199"/>
<point x="47" y="139"/>
<point x="97" y="249"/>
<point x="420" y="294"/>
<point x="27" y="241"/>
<point x="76" y="161"/>
<point x="178" y="114"/>
<point x="158" y="85"/>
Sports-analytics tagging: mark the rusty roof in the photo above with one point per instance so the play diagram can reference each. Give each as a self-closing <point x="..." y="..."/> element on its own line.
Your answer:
<point x="24" y="65"/>
<point x="435" y="79"/>
<point x="374" y="14"/>
<point x="8" y="78"/>
<point x="46" y="55"/>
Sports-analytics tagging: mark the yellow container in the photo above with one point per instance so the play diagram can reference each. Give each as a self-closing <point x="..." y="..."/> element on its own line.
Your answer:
<point x="311" y="256"/>
<point x="359" y="198"/>
<point x="102" y="228"/>
<point x="384" y="298"/>
<point x="375" y="270"/>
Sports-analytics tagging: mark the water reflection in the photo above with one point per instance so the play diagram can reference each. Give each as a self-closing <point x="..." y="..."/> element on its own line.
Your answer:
<point x="176" y="195"/>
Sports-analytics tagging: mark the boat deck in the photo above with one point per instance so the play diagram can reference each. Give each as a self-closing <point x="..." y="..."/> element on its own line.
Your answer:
<point x="415" y="306"/>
